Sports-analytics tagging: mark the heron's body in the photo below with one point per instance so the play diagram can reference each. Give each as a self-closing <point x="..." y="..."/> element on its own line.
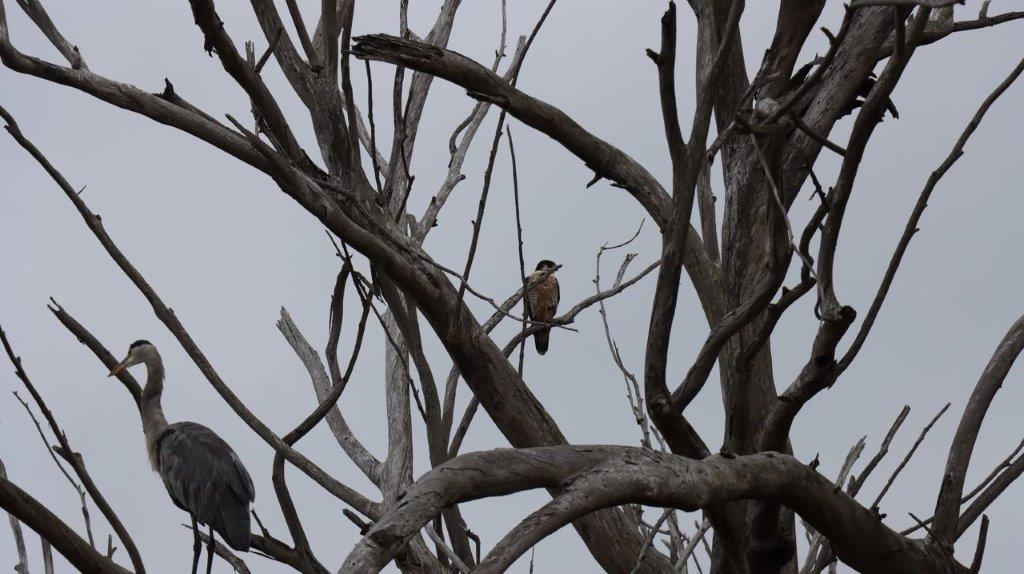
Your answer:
<point x="202" y="474"/>
<point x="542" y="303"/>
<point x="204" y="477"/>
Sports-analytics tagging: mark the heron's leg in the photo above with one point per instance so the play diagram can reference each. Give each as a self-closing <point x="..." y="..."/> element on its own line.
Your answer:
<point x="209" y="552"/>
<point x="197" y="545"/>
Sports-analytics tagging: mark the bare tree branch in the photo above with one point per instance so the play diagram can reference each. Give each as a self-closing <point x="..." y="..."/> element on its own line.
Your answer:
<point x="19" y="538"/>
<point x="37" y="517"/>
<point x="912" y="224"/>
<point x="604" y="476"/>
<point x="947" y="505"/>
<point x="60" y="466"/>
<point x="74" y="460"/>
<point x="42" y="20"/>
<point x="906" y="459"/>
<point x="167" y="316"/>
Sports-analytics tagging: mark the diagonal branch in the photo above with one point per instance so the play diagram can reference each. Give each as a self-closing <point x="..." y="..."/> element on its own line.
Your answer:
<point x="74" y="459"/>
<point x="487" y="86"/>
<point x="42" y="21"/>
<point x="326" y="405"/>
<point x="51" y="528"/>
<point x="170" y="320"/>
<point x="131" y="98"/>
<point x="912" y="228"/>
<point x="217" y="40"/>
<point x="52" y="451"/>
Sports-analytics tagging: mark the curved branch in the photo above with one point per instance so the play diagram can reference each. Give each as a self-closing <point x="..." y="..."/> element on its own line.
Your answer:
<point x="601" y="476"/>
<point x="947" y="505"/>
<point x="678" y="433"/>
<point x="327" y="404"/>
<point x="483" y="84"/>
<point x="325" y="389"/>
<point x="863" y="128"/>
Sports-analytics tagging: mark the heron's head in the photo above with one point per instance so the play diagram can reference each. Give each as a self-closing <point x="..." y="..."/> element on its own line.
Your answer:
<point x="545" y="264"/>
<point x="138" y="352"/>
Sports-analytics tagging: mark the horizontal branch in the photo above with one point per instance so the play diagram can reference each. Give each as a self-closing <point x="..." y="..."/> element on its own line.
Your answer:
<point x="594" y="477"/>
<point x="485" y="85"/>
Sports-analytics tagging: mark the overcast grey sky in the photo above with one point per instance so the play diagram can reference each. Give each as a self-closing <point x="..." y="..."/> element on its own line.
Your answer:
<point x="226" y="249"/>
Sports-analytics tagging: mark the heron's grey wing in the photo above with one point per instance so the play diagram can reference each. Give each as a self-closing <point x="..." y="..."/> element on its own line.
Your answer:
<point x="245" y="481"/>
<point x="205" y="477"/>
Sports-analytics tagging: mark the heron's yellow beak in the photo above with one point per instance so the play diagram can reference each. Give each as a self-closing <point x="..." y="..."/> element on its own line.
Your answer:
<point x="120" y="367"/>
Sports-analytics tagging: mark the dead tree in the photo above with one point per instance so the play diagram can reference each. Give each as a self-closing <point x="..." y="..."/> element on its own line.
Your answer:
<point x="768" y="131"/>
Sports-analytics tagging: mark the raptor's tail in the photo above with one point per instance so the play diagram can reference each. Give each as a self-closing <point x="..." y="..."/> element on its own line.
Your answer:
<point x="541" y="340"/>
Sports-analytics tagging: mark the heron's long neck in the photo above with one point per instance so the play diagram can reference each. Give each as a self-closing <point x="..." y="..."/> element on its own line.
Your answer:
<point x="153" y="421"/>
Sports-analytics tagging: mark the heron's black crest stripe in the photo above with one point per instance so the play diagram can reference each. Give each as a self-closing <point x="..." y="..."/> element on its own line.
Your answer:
<point x="139" y="343"/>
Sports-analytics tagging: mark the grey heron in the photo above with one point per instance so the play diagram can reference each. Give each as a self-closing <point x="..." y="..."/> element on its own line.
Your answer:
<point x="202" y="474"/>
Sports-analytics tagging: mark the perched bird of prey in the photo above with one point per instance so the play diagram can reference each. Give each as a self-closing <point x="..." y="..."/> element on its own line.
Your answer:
<point x="863" y="89"/>
<point x="542" y="302"/>
<point x="203" y="476"/>
<point x="862" y="92"/>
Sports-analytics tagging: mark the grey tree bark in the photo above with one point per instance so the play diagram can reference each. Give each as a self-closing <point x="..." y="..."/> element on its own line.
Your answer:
<point x="767" y="132"/>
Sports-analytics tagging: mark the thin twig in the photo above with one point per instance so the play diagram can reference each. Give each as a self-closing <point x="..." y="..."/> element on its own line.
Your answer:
<point x="373" y="128"/>
<point x="858" y="482"/>
<point x="633" y="392"/>
<point x="72" y="457"/>
<point x="906" y="458"/>
<point x="270" y="50"/>
<point x="519" y="237"/>
<point x="74" y="484"/>
<point x="19" y="537"/>
<point x="447" y="550"/>
<point x="478" y="222"/>
<point x="650" y="540"/>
